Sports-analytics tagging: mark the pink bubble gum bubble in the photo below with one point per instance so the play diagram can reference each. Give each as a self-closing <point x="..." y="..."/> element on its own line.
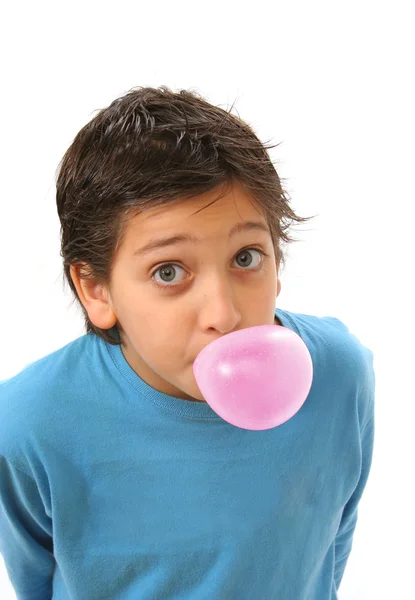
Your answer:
<point x="255" y="378"/>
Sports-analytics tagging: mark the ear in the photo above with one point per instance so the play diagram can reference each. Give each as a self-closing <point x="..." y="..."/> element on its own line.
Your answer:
<point x="94" y="297"/>
<point x="278" y="287"/>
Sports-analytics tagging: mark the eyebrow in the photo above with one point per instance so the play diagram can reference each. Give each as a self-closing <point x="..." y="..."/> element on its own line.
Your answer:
<point x="185" y="237"/>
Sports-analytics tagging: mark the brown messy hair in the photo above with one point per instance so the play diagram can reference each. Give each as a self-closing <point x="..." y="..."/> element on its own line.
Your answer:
<point x="151" y="147"/>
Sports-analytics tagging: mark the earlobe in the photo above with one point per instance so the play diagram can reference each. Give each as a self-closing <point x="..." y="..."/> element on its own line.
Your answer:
<point x="95" y="299"/>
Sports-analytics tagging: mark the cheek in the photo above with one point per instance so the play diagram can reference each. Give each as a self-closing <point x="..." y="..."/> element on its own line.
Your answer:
<point x="159" y="334"/>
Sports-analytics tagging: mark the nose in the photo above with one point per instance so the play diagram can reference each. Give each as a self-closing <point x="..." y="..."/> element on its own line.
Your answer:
<point x="218" y="308"/>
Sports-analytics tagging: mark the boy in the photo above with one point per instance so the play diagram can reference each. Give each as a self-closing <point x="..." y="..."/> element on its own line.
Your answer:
<point x="117" y="479"/>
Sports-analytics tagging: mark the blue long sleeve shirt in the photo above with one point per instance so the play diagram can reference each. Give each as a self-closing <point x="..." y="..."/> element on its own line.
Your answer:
<point x="110" y="489"/>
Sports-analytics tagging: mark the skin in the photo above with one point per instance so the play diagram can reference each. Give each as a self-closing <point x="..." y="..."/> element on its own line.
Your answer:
<point x="212" y="287"/>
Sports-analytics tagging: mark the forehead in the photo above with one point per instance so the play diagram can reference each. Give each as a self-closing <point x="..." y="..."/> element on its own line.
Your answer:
<point x="202" y="215"/>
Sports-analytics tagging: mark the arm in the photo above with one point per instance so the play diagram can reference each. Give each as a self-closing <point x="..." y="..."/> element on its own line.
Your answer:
<point x="344" y="536"/>
<point x="26" y="542"/>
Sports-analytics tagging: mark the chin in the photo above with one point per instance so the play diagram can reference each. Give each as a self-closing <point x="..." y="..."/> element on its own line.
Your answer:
<point x="195" y="394"/>
<point x="193" y="391"/>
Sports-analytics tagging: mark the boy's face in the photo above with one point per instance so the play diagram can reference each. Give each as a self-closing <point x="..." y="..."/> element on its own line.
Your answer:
<point x="207" y="290"/>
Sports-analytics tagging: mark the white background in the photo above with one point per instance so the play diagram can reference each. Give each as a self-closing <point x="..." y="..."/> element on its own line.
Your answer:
<point x="334" y="83"/>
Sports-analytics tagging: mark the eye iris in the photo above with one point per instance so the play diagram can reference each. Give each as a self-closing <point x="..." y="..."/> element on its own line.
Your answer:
<point x="170" y="272"/>
<point x="248" y="254"/>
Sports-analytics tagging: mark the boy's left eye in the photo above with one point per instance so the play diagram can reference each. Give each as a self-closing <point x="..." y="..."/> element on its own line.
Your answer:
<point x="169" y="269"/>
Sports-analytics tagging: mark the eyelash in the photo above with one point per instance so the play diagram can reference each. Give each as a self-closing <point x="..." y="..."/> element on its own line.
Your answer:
<point x="174" y="285"/>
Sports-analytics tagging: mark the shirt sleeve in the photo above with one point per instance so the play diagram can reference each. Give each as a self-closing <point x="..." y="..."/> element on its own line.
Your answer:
<point x="25" y="535"/>
<point x="344" y="536"/>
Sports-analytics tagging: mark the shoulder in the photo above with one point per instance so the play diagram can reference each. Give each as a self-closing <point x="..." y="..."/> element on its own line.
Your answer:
<point x="28" y="400"/>
<point x="342" y="365"/>
<point x="333" y="344"/>
<point x="39" y="372"/>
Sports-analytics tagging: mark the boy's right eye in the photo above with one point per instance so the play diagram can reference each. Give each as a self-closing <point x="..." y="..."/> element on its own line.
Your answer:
<point x="167" y="270"/>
